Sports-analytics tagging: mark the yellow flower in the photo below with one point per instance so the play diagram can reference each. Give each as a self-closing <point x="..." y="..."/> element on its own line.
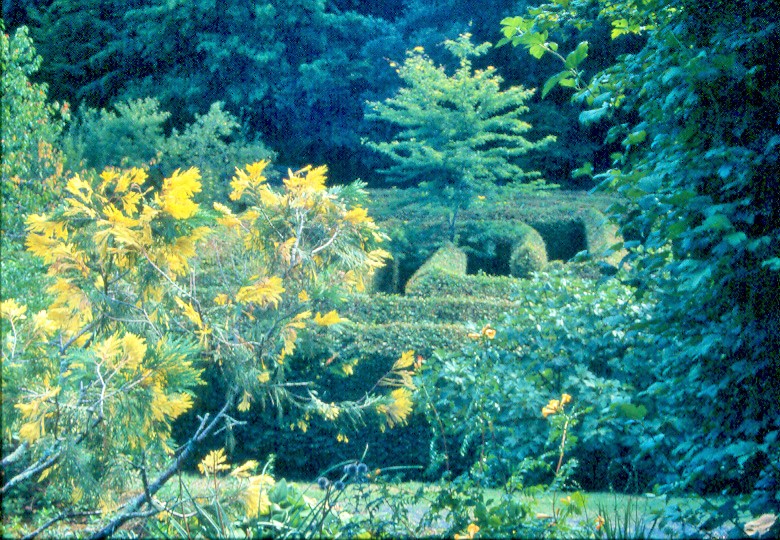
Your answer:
<point x="490" y="333"/>
<point x="471" y="531"/>
<point x="419" y="49"/>
<point x="565" y="398"/>
<point x="552" y="407"/>
<point x="600" y="522"/>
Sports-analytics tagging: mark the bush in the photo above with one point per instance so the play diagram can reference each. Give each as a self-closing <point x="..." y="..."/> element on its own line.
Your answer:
<point x="529" y="254"/>
<point x="386" y="309"/>
<point x="488" y="392"/>
<point x="448" y="259"/>
<point x="133" y="135"/>
<point x="438" y="283"/>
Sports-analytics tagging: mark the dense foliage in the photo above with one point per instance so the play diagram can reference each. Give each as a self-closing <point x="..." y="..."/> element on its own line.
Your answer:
<point x="168" y="315"/>
<point x="696" y="112"/>
<point x="457" y="134"/>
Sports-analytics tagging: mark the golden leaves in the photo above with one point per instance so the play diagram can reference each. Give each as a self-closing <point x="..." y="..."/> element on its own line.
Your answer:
<point x="244" y="404"/>
<point x="12" y="311"/>
<point x="398" y="408"/>
<point x="255" y="496"/>
<point x="251" y="178"/>
<point x="214" y="462"/>
<point x="307" y="180"/>
<point x="328" y="319"/>
<point x="189" y="312"/>
<point x="264" y="292"/>
<point x="166" y="407"/>
<point x="176" y="195"/>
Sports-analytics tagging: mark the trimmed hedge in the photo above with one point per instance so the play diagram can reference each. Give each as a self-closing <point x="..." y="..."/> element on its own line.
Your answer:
<point x="437" y="283"/>
<point x="529" y="253"/>
<point x="448" y="258"/>
<point x="387" y="309"/>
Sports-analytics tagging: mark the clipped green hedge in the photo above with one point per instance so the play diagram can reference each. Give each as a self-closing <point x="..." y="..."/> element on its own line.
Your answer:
<point x="386" y="309"/>
<point x="448" y="258"/>
<point x="437" y="283"/>
<point x="529" y="253"/>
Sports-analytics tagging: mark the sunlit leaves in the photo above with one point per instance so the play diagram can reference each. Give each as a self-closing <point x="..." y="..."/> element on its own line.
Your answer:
<point x="177" y="192"/>
<point x="264" y="292"/>
<point x="328" y="319"/>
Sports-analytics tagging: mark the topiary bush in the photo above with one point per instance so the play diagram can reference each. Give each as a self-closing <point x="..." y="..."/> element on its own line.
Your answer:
<point x="448" y="259"/>
<point x="529" y="253"/>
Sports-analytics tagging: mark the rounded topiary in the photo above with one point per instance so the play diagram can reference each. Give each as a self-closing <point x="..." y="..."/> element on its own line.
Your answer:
<point x="448" y="258"/>
<point x="529" y="253"/>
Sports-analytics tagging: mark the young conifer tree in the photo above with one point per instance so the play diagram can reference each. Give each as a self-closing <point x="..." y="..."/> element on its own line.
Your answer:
<point x="458" y="133"/>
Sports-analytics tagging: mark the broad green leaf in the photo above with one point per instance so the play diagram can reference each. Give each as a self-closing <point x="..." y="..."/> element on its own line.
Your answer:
<point x="574" y="58"/>
<point x="593" y="115"/>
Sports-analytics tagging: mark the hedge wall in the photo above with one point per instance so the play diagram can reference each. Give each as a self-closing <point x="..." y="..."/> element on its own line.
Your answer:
<point x="437" y="283"/>
<point x="448" y="258"/>
<point x="385" y="309"/>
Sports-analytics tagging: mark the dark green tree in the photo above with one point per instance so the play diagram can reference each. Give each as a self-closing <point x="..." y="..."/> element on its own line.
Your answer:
<point x="461" y="133"/>
<point x="696" y="111"/>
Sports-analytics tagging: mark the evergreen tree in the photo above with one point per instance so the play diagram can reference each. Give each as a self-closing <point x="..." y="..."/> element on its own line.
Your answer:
<point x="459" y="133"/>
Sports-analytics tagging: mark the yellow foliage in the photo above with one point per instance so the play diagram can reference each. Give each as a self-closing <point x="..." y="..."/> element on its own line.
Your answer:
<point x="255" y="495"/>
<point x="251" y="178"/>
<point x="328" y="319"/>
<point x="312" y="182"/>
<point x="243" y="470"/>
<point x="12" y="311"/>
<point x="189" y="312"/>
<point x="406" y="360"/>
<point x="357" y="216"/>
<point x="214" y="462"/>
<point x="399" y="407"/>
<point x="176" y="195"/>
<point x="169" y="407"/>
<point x="243" y="406"/>
<point x="264" y="292"/>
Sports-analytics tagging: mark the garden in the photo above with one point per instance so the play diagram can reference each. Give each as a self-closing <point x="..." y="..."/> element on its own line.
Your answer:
<point x="309" y="269"/>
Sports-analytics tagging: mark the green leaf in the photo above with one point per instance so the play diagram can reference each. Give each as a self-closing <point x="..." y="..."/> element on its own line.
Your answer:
<point x="585" y="170"/>
<point x="593" y="115"/>
<point x="552" y="81"/>
<point x="632" y="412"/>
<point x="636" y="137"/>
<point x="574" y="58"/>
<point x="717" y="222"/>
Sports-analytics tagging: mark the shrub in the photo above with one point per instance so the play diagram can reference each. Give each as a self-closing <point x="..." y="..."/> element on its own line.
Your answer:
<point x="489" y="391"/>
<point x="133" y="135"/>
<point x="447" y="259"/>
<point x="529" y="253"/>
<point x="32" y="164"/>
<point x="439" y="283"/>
<point x="140" y="308"/>
<point x="386" y="309"/>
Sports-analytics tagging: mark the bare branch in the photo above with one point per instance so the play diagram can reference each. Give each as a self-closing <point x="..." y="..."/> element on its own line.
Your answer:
<point x="131" y="508"/>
